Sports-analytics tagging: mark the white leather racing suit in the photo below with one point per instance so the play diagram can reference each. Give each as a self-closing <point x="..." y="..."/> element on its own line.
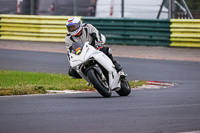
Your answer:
<point x="89" y="33"/>
<point x="92" y="35"/>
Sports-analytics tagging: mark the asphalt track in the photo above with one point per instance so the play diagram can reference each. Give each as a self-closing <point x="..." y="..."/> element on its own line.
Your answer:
<point x="175" y="109"/>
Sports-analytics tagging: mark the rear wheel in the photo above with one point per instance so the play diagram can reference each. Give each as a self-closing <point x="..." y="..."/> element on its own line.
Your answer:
<point x="125" y="88"/>
<point x="100" y="84"/>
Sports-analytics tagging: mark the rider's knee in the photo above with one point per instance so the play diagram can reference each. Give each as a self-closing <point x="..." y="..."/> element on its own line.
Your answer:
<point x="109" y="51"/>
<point x="106" y="50"/>
<point x="73" y="73"/>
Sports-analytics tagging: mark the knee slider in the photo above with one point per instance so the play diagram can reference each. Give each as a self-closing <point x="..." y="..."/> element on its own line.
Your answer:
<point x="109" y="51"/>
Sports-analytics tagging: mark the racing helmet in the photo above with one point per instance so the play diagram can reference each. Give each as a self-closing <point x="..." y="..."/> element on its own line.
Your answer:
<point x="74" y="25"/>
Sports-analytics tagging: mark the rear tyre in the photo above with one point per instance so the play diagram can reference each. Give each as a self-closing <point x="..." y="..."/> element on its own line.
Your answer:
<point x="101" y="86"/>
<point x="125" y="88"/>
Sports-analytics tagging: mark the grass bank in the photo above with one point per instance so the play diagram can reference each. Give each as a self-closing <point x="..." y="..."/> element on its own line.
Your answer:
<point x="24" y="83"/>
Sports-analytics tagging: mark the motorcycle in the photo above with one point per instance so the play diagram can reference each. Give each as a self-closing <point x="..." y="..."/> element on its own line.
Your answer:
<point x="98" y="70"/>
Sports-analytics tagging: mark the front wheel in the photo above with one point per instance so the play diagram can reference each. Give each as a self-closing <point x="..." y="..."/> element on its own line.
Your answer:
<point x="98" y="83"/>
<point x="125" y="88"/>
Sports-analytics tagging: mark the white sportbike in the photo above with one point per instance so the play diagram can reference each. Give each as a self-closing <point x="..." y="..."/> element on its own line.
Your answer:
<point x="98" y="70"/>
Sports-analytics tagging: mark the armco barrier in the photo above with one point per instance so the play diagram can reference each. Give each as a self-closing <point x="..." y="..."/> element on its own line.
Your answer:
<point x="33" y="28"/>
<point x="185" y="32"/>
<point x="117" y="31"/>
<point x="133" y="31"/>
<point x="176" y="32"/>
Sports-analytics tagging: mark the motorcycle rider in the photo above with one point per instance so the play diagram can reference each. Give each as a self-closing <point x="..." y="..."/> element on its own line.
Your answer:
<point x="78" y="32"/>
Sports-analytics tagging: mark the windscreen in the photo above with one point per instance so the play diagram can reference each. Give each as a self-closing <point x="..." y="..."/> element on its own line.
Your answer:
<point x="77" y="47"/>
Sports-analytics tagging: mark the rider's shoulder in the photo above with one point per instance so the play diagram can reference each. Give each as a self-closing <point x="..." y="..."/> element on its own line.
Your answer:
<point x="68" y="36"/>
<point x="87" y="25"/>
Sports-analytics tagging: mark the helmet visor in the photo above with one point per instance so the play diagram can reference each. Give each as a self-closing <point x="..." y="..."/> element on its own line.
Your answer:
<point x="73" y="27"/>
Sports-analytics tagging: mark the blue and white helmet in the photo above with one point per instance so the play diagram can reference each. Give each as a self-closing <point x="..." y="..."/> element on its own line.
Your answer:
<point x="74" y="25"/>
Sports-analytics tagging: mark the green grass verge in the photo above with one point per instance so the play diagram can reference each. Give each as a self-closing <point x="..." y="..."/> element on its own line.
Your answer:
<point x="23" y="83"/>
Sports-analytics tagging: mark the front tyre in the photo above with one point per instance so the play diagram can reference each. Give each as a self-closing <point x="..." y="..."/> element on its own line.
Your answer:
<point x="125" y="88"/>
<point x="101" y="85"/>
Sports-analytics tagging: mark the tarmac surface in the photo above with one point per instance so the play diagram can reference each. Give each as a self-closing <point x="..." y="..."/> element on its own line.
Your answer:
<point x="172" y="110"/>
<point x="145" y="52"/>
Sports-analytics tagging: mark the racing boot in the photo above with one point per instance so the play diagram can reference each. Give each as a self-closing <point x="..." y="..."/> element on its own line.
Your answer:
<point x="119" y="69"/>
<point x="117" y="66"/>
